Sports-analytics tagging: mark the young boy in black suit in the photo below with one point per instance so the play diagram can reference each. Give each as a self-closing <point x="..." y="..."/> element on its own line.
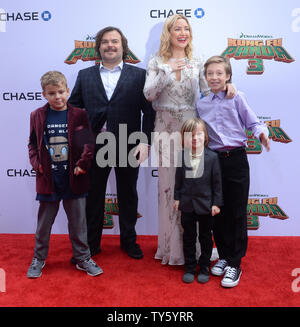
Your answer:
<point x="198" y="195"/>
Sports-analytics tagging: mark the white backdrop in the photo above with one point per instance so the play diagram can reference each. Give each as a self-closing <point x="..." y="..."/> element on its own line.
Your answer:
<point x="37" y="36"/>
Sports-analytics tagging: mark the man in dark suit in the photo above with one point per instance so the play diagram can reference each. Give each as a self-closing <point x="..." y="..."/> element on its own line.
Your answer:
<point x="112" y="94"/>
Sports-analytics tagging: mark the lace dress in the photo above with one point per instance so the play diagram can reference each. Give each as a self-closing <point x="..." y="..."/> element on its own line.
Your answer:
<point x="174" y="102"/>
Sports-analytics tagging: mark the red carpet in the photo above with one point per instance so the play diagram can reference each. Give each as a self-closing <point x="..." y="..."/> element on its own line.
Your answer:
<point x="266" y="280"/>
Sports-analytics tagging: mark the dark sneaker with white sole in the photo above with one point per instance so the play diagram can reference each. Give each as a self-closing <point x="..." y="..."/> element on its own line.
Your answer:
<point x="35" y="269"/>
<point x="219" y="268"/>
<point x="90" y="267"/>
<point x="232" y="277"/>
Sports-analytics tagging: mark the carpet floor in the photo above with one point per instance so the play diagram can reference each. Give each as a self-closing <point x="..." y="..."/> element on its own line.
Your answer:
<point x="270" y="277"/>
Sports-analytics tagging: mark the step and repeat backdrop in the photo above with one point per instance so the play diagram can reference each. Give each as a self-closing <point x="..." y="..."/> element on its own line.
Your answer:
<point x="262" y="40"/>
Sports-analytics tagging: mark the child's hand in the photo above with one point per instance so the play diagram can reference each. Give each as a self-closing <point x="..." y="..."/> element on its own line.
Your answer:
<point x="41" y="169"/>
<point x="79" y="171"/>
<point x="176" y="205"/>
<point x="215" y="210"/>
<point x="265" y="141"/>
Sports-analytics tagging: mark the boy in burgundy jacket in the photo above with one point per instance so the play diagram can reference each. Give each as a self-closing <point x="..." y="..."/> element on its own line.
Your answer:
<point x="60" y="150"/>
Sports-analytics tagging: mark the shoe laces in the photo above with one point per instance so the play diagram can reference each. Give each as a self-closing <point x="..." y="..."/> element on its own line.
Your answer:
<point x="222" y="263"/>
<point x="91" y="261"/>
<point x="230" y="272"/>
<point x="35" y="262"/>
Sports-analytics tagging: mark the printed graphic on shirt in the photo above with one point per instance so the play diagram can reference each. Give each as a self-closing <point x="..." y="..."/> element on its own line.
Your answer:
<point x="56" y="134"/>
<point x="263" y="207"/>
<point x="85" y="51"/>
<point x="256" y="50"/>
<point x="58" y="148"/>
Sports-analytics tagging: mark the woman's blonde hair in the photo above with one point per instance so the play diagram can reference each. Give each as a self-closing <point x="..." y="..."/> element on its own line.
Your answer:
<point x="165" y="49"/>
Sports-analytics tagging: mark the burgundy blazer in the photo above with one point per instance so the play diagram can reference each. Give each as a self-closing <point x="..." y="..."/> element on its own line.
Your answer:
<point x="81" y="149"/>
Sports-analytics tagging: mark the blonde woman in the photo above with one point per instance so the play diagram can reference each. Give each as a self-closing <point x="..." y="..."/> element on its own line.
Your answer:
<point x="173" y="81"/>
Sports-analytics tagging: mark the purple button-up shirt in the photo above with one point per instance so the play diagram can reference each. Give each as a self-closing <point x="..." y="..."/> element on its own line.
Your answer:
<point x="226" y="120"/>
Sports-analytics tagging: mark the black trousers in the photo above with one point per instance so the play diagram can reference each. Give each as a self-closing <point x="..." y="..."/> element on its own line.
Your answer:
<point x="189" y="223"/>
<point x="126" y="180"/>
<point x="230" y="226"/>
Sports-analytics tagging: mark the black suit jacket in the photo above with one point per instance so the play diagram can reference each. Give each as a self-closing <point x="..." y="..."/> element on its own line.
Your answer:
<point x="125" y="106"/>
<point x="201" y="193"/>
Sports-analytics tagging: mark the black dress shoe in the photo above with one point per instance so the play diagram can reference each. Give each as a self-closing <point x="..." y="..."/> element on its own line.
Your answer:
<point x="133" y="250"/>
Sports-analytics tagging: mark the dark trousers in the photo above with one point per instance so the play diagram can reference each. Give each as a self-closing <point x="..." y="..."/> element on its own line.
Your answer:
<point x="230" y="227"/>
<point x="126" y="179"/>
<point x="189" y="223"/>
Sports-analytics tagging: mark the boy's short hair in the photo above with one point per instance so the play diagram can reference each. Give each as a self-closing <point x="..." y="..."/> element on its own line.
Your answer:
<point x="190" y="125"/>
<point x="219" y="60"/>
<point x="53" y="77"/>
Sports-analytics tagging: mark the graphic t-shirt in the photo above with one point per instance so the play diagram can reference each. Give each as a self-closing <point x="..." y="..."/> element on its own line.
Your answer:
<point x="56" y="141"/>
<point x="56" y="133"/>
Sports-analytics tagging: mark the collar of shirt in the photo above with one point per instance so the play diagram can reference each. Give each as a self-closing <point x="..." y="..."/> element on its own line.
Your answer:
<point x="116" y="68"/>
<point x="221" y="95"/>
<point x="110" y="78"/>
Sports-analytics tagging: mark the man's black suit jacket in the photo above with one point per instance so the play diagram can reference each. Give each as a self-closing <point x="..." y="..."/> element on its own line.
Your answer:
<point x="125" y="106"/>
<point x="201" y="193"/>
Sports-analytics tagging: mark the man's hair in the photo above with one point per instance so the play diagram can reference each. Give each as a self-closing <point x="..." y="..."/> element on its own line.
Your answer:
<point x="107" y="29"/>
<point x="53" y="77"/>
<point x="219" y="60"/>
<point x="190" y="125"/>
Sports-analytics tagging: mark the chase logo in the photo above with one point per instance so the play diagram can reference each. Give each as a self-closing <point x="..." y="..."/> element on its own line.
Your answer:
<point x="165" y="13"/>
<point x="23" y="16"/>
<point x="46" y="15"/>
<point x="199" y="13"/>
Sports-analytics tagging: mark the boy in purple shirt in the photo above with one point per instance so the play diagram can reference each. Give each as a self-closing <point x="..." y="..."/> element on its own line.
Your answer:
<point x="226" y="121"/>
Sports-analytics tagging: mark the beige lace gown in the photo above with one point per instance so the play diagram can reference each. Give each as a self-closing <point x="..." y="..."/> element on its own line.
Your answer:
<point x="174" y="102"/>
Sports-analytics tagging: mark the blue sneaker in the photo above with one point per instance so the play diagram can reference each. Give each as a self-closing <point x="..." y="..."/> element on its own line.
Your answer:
<point x="90" y="267"/>
<point x="35" y="269"/>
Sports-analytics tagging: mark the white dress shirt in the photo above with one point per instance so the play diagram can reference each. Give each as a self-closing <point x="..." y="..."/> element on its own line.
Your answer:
<point x="110" y="78"/>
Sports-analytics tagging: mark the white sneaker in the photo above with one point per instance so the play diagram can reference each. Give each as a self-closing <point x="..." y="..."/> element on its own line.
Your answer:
<point x="219" y="268"/>
<point x="232" y="277"/>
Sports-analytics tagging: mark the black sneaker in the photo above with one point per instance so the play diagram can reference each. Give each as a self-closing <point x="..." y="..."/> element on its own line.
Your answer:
<point x="232" y="277"/>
